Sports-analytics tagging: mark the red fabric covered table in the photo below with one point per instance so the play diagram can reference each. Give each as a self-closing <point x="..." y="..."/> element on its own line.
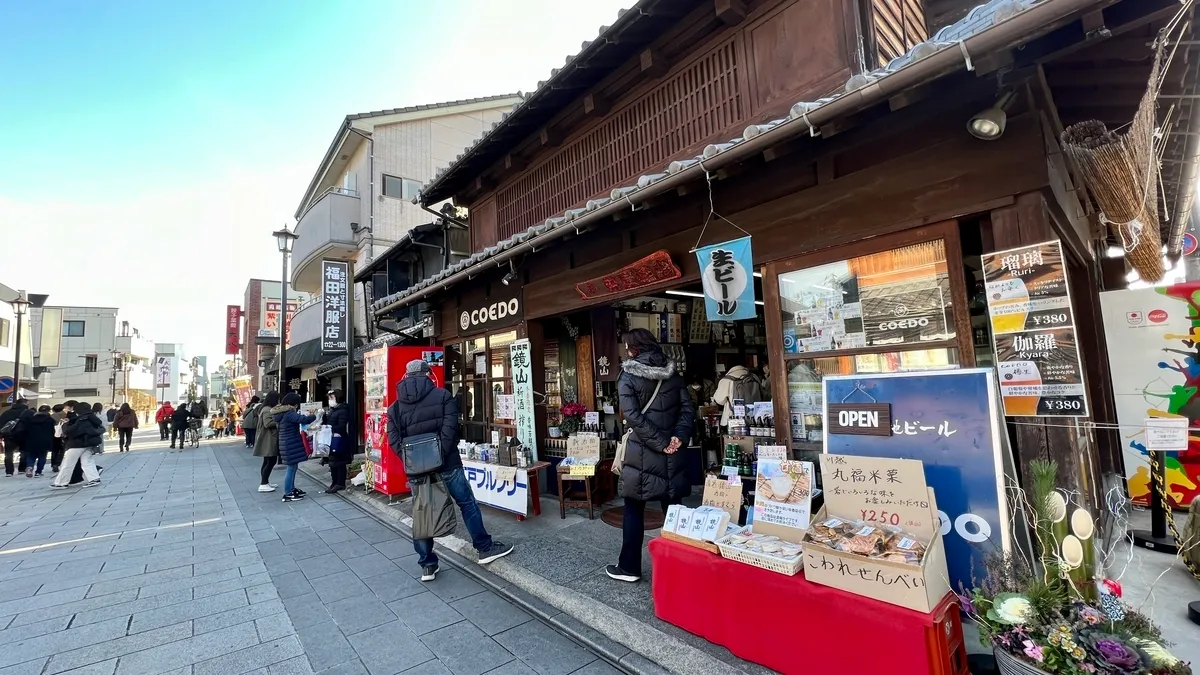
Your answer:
<point x="793" y="626"/>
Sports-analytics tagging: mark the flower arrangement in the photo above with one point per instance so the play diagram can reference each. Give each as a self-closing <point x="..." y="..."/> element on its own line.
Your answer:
<point x="572" y="417"/>
<point x="1061" y="618"/>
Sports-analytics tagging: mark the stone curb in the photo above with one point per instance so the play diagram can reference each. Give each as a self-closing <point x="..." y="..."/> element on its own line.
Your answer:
<point x="567" y="611"/>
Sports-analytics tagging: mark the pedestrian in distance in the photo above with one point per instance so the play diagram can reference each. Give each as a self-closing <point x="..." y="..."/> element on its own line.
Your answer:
<point x="59" y="415"/>
<point x="180" y="419"/>
<point x="250" y="421"/>
<point x="163" y="418"/>
<point x="85" y="435"/>
<point x="658" y="409"/>
<point x="110" y="419"/>
<point x="125" y="422"/>
<point x="340" y="451"/>
<point x="421" y="407"/>
<point x="36" y="440"/>
<point x="266" y="441"/>
<point x="11" y="422"/>
<point x="218" y="424"/>
<point x="288" y="420"/>
<point x="231" y="421"/>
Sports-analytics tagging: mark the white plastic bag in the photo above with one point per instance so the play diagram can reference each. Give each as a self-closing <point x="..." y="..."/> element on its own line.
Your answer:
<point x="322" y="437"/>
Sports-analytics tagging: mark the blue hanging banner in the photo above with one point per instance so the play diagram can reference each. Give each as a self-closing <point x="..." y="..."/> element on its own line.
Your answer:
<point x="727" y="272"/>
<point x="950" y="420"/>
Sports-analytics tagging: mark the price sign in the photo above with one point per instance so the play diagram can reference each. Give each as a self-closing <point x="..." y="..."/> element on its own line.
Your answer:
<point x="583" y="470"/>
<point x="739" y="412"/>
<point x="507" y="474"/>
<point x="776" y="452"/>
<point x="583" y="446"/>
<point x="591" y="418"/>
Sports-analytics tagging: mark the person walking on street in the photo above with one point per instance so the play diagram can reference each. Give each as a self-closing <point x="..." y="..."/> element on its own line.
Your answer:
<point x="58" y="414"/>
<point x="288" y="420"/>
<point x="266" y="441"/>
<point x="85" y="435"/>
<point x="423" y="408"/>
<point x="231" y="423"/>
<point x="11" y="422"/>
<point x="163" y="417"/>
<point x="179" y="424"/>
<point x="658" y="409"/>
<point x="218" y="424"/>
<point x="340" y="451"/>
<point x="110" y="418"/>
<point x="125" y="422"/>
<point x="250" y="420"/>
<point x="37" y="439"/>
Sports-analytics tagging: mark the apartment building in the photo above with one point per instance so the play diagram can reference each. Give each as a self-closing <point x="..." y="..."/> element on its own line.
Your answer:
<point x="358" y="207"/>
<point x="88" y="354"/>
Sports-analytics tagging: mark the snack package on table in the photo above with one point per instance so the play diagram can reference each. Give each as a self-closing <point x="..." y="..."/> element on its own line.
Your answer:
<point x="867" y="539"/>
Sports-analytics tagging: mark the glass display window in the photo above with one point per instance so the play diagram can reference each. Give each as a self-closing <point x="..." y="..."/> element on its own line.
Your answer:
<point x="480" y="373"/>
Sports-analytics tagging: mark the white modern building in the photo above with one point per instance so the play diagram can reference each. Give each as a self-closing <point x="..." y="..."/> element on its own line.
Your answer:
<point x="88" y="354"/>
<point x="359" y="205"/>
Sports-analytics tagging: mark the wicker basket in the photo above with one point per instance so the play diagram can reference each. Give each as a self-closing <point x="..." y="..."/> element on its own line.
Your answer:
<point x="760" y="559"/>
<point x="1008" y="664"/>
<point x="694" y="543"/>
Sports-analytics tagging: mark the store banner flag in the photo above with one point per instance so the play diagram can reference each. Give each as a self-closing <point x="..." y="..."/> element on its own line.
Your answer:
<point x="950" y="421"/>
<point x="1153" y="337"/>
<point x="1033" y="325"/>
<point x="335" y="305"/>
<point x="233" y="333"/>
<point x="162" y="371"/>
<point x="522" y="372"/>
<point x="727" y="273"/>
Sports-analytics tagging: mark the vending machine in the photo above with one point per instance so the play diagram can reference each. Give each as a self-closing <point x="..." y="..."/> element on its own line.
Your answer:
<point x="383" y="368"/>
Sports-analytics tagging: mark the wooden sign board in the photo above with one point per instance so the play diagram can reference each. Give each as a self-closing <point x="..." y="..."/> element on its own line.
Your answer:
<point x="723" y="495"/>
<point x="583" y="446"/>
<point x="859" y="419"/>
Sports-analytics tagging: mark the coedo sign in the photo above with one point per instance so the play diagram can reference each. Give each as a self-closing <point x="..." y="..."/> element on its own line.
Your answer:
<point x="498" y="310"/>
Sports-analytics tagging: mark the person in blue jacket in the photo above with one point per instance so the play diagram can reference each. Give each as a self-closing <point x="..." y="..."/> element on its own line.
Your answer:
<point x="288" y="420"/>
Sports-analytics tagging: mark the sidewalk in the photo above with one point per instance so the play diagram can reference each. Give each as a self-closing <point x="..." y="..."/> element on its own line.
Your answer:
<point x="175" y="564"/>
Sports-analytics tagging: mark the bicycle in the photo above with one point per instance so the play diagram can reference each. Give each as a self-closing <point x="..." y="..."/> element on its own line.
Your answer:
<point x="193" y="433"/>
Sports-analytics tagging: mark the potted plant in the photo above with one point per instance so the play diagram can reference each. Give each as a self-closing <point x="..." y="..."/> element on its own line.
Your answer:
<point x="1053" y="614"/>
<point x="572" y="418"/>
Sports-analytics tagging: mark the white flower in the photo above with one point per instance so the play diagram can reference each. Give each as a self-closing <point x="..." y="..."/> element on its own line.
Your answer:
<point x="1013" y="609"/>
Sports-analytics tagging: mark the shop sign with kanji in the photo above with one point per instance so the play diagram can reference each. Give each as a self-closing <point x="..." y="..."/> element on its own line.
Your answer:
<point x="335" y="304"/>
<point x="727" y="273"/>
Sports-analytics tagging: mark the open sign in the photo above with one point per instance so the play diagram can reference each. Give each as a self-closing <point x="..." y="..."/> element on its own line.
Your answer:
<point x="859" y="419"/>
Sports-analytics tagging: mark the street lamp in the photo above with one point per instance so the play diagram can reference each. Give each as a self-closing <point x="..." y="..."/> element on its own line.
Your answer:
<point x="284" y="238"/>
<point x="19" y="305"/>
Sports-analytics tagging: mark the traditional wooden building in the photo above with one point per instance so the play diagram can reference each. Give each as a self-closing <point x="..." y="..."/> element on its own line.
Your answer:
<point x="835" y="132"/>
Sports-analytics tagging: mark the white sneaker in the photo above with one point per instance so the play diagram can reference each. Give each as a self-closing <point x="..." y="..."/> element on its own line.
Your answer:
<point x="266" y="488"/>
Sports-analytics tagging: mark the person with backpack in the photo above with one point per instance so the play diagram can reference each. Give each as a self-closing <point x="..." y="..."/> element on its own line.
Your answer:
<point x="737" y="384"/>
<point x="125" y="422"/>
<point x="250" y="421"/>
<point x="657" y="407"/>
<point x="85" y="435"/>
<point x="110" y="419"/>
<point x="421" y="408"/>
<point x="37" y="439"/>
<point x="11" y="422"/>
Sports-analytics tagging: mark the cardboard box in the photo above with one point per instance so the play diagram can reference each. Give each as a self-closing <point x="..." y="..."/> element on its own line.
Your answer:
<point x="908" y="504"/>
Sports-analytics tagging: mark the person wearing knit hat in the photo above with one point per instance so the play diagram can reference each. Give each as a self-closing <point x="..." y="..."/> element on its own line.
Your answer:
<point x="422" y="407"/>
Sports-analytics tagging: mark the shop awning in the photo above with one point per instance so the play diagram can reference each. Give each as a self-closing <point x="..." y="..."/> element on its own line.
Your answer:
<point x="387" y="339"/>
<point x="988" y="28"/>
<point x="405" y="242"/>
<point x="306" y="353"/>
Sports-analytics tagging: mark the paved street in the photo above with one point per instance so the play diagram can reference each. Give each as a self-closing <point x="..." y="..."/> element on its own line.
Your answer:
<point x="175" y="564"/>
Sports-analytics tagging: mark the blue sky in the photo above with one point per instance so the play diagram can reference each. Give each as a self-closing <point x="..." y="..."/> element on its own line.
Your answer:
<point x="148" y="148"/>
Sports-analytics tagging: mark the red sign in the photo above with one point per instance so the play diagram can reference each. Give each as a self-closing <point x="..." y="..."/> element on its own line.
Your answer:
<point x="1157" y="316"/>
<point x="233" y="341"/>
<point x="653" y="269"/>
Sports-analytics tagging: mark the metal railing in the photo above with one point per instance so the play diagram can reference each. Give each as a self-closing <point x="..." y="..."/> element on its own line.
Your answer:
<point x="331" y="190"/>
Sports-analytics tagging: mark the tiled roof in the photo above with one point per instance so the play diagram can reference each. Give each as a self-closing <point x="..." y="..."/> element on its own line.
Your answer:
<point x="978" y="20"/>
<point x="432" y="106"/>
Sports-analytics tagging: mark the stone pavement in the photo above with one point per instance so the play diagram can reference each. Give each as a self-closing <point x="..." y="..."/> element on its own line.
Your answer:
<point x="175" y="564"/>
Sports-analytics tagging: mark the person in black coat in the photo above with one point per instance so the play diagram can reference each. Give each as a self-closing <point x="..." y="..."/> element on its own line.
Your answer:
<point x="288" y="421"/>
<point x="420" y="408"/>
<point x="19" y="413"/>
<point x="179" y="423"/>
<point x="36" y="440"/>
<point x="653" y="470"/>
<point x="84" y="433"/>
<point x="341" y="452"/>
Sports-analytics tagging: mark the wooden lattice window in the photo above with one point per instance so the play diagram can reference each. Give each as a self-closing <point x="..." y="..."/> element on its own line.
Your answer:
<point x="688" y="110"/>
<point x="897" y="25"/>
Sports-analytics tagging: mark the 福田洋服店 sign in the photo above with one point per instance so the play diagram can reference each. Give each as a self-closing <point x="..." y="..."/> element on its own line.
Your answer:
<point x="727" y="273"/>
<point x="500" y="309"/>
<point x="863" y="419"/>
<point x="498" y="487"/>
<point x="1033" y="325"/>
<point x="335" y="301"/>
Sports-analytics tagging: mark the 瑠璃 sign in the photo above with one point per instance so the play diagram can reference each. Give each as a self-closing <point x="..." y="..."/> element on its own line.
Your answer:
<point x="233" y="342"/>
<point x="335" y="303"/>
<point x="727" y="273"/>
<point x="1033" y="325"/>
<point x="863" y="419"/>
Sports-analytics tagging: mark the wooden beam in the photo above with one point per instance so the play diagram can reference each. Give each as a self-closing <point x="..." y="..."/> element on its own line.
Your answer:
<point x="653" y="64"/>
<point x="549" y="137"/>
<point x="730" y="12"/>
<point x="1043" y="96"/>
<point x="596" y="105"/>
<point x="1121" y="76"/>
<point x="513" y="163"/>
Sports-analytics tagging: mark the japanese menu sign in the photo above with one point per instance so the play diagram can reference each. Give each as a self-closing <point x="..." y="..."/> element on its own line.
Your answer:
<point x="949" y="420"/>
<point x="783" y="498"/>
<point x="1033" y="326"/>
<point x="522" y="373"/>
<point x="335" y="303"/>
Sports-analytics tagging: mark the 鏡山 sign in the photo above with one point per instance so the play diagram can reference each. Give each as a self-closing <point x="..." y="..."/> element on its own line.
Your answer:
<point x="859" y="419"/>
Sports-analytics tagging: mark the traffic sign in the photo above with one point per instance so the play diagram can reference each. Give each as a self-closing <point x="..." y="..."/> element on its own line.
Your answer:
<point x="6" y="384"/>
<point x="1190" y="243"/>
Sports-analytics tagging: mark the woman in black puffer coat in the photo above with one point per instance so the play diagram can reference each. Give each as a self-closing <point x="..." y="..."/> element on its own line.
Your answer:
<point x="654" y="469"/>
<point x="288" y="420"/>
<point x="341" y="452"/>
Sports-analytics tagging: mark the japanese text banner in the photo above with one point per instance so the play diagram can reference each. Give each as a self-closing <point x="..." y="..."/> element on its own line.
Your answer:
<point x="727" y="272"/>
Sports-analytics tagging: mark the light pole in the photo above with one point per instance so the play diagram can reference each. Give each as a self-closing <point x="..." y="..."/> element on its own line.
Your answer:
<point x="19" y="305"/>
<point x="284" y="238"/>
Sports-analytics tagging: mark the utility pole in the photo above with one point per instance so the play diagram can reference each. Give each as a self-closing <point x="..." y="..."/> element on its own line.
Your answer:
<point x="118" y="363"/>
